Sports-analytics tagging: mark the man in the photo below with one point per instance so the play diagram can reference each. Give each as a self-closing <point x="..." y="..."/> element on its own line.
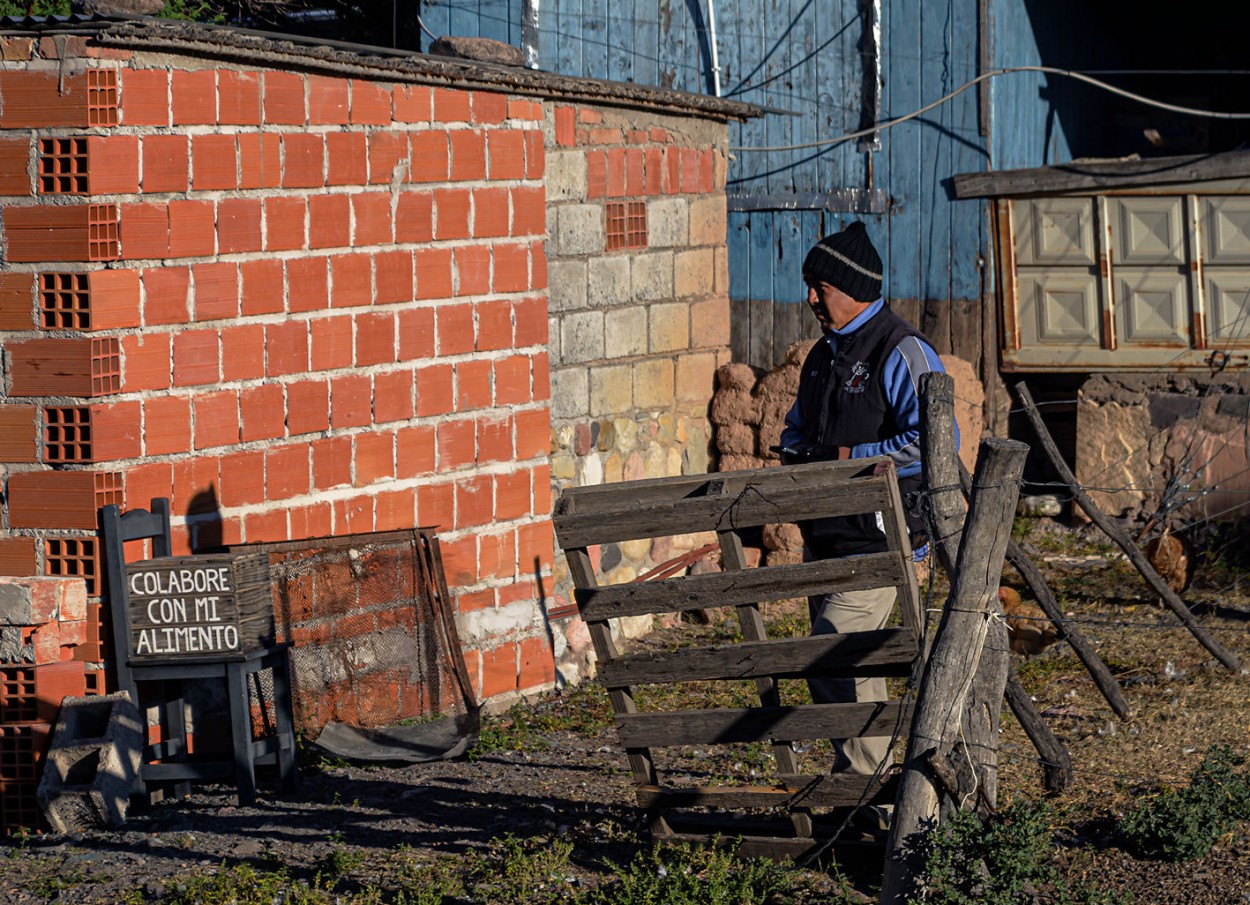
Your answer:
<point x="858" y="396"/>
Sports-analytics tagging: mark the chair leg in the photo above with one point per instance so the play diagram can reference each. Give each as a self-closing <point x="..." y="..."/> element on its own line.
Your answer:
<point x="174" y="708"/>
<point x="241" y="732"/>
<point x="284" y="711"/>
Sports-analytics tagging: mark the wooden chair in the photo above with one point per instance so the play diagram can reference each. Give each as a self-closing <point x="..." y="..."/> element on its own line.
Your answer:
<point x="168" y="761"/>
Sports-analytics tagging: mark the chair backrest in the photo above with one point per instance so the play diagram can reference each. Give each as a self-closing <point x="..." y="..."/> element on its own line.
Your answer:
<point x="115" y="530"/>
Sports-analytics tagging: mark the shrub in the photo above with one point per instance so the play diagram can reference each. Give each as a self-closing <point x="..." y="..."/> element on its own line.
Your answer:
<point x="1183" y="824"/>
<point x="689" y="875"/>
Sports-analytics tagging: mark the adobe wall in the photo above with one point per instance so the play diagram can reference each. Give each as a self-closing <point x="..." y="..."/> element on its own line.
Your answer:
<point x="639" y="318"/>
<point x="1146" y="440"/>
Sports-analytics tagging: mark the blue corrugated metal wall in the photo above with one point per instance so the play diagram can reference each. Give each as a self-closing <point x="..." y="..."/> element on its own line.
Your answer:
<point x="804" y="56"/>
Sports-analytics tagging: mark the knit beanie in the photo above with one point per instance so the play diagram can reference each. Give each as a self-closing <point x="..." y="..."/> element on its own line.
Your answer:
<point x="847" y="261"/>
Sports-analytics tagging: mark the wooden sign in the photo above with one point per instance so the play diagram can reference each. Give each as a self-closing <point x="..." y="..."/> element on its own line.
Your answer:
<point x="199" y="606"/>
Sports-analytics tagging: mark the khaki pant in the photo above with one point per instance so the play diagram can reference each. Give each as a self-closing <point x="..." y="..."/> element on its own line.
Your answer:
<point x="852" y="611"/>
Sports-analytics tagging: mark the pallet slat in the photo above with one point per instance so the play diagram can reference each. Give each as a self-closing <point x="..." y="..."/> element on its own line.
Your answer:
<point x="830" y="791"/>
<point x="731" y="725"/>
<point x="751" y="507"/>
<point x="888" y="652"/>
<point x="715" y="589"/>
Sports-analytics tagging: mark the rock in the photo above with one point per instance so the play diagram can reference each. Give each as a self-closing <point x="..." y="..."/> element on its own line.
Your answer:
<point x="735" y="439"/>
<point x="736" y="377"/>
<point x="969" y="407"/>
<point x="480" y="50"/>
<point x="117" y="7"/>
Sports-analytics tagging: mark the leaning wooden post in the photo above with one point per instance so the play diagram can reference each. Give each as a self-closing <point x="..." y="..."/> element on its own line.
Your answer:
<point x="946" y="500"/>
<point x="956" y="652"/>
<point x="1122" y="540"/>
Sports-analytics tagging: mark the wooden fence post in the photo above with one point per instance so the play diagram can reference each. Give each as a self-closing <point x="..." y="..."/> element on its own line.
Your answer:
<point x="956" y="652"/>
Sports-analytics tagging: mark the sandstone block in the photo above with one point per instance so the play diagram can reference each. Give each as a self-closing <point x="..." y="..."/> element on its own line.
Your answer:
<point x="652" y="276"/>
<point x="693" y="272"/>
<point x="969" y="403"/>
<point x="581" y="337"/>
<point x="668" y="222"/>
<point x="570" y="393"/>
<point x="611" y="389"/>
<point x="566" y="282"/>
<point x="783" y="557"/>
<point x="625" y="332"/>
<point x="566" y="176"/>
<point x="579" y="230"/>
<point x="721" y="282"/>
<point x="695" y="376"/>
<point x="608" y="283"/>
<point x="709" y="322"/>
<point x="653" y="383"/>
<point x="782" y="537"/>
<point x="669" y="327"/>
<point x="708" y="221"/>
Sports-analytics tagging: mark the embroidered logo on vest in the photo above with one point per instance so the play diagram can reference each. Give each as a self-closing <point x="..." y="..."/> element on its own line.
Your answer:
<point x="859" y="377"/>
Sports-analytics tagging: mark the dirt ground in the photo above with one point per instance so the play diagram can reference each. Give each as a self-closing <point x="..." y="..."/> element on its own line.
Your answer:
<point x="552" y="774"/>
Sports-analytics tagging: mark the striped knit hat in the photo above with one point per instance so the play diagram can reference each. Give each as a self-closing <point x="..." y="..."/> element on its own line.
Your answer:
<point x="847" y="261"/>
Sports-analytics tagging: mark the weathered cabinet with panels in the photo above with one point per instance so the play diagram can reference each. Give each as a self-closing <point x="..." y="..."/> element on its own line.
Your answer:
<point x="1159" y="277"/>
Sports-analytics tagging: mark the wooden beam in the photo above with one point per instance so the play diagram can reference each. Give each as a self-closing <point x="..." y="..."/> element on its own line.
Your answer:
<point x="1103" y="175"/>
<point x="829" y="791"/>
<point x="889" y="652"/>
<point x="732" y="725"/>
<point x="753" y="506"/>
<point x="732" y="588"/>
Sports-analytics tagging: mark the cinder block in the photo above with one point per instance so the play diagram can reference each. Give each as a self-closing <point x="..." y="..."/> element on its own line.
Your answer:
<point x="625" y="332"/>
<point x="708" y="221"/>
<point x="608" y="282"/>
<point x="581" y="337"/>
<point x="92" y="764"/>
<point x="579" y="230"/>
<point x="652" y="276"/>
<point x="611" y="390"/>
<point x="668" y="222"/>
<point x="694" y="273"/>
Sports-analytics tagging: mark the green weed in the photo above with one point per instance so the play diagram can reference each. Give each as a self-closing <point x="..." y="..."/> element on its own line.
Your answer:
<point x="1183" y="824"/>
<point x="1004" y="861"/>
<point x="244" y="885"/>
<point x="532" y="871"/>
<point x="686" y="875"/>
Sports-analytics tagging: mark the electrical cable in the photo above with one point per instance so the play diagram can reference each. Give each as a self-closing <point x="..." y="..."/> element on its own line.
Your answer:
<point x="1048" y="70"/>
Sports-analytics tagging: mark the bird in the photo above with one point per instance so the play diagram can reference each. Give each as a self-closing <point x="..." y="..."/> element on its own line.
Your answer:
<point x="1171" y="558"/>
<point x="1028" y="630"/>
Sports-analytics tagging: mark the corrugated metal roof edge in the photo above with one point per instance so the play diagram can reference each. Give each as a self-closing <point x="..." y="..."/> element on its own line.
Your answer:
<point x="364" y="61"/>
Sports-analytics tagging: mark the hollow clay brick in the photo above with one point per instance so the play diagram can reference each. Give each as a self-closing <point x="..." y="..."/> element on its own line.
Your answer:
<point x="194" y="97"/>
<point x="14" y="166"/>
<point x="370" y="104"/>
<point x="17" y="301"/>
<point x="60" y="499"/>
<point x="18" y="435"/>
<point x="145" y="97"/>
<point x="238" y="98"/>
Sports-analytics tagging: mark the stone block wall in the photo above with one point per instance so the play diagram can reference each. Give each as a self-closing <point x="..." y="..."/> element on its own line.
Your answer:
<point x="639" y="306"/>
<point x="296" y="304"/>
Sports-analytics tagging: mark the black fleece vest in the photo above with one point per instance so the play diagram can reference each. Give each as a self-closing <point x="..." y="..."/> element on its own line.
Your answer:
<point x="843" y="401"/>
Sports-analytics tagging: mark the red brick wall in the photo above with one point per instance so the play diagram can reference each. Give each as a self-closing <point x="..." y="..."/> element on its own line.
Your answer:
<point x="297" y="305"/>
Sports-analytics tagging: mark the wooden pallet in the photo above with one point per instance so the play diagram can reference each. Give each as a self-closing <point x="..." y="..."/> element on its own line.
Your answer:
<point x="726" y="504"/>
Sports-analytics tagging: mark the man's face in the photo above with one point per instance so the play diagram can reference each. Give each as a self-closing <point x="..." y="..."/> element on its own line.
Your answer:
<point x="832" y="307"/>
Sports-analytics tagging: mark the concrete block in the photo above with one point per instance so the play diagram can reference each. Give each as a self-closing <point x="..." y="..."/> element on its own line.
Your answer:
<point x="708" y="224"/>
<point x="581" y="337"/>
<point x="669" y="329"/>
<point x="625" y="332"/>
<point x="611" y="390"/>
<point x="608" y="283"/>
<point x="566" y="282"/>
<point x="579" y="230"/>
<point x="652" y="276"/>
<point x="92" y="764"/>
<point x="566" y="176"/>
<point x="693" y="272"/>
<point x="668" y="222"/>
<point x="570" y="393"/>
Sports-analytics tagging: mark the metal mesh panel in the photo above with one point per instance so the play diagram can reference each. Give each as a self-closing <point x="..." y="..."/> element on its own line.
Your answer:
<point x="374" y="642"/>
